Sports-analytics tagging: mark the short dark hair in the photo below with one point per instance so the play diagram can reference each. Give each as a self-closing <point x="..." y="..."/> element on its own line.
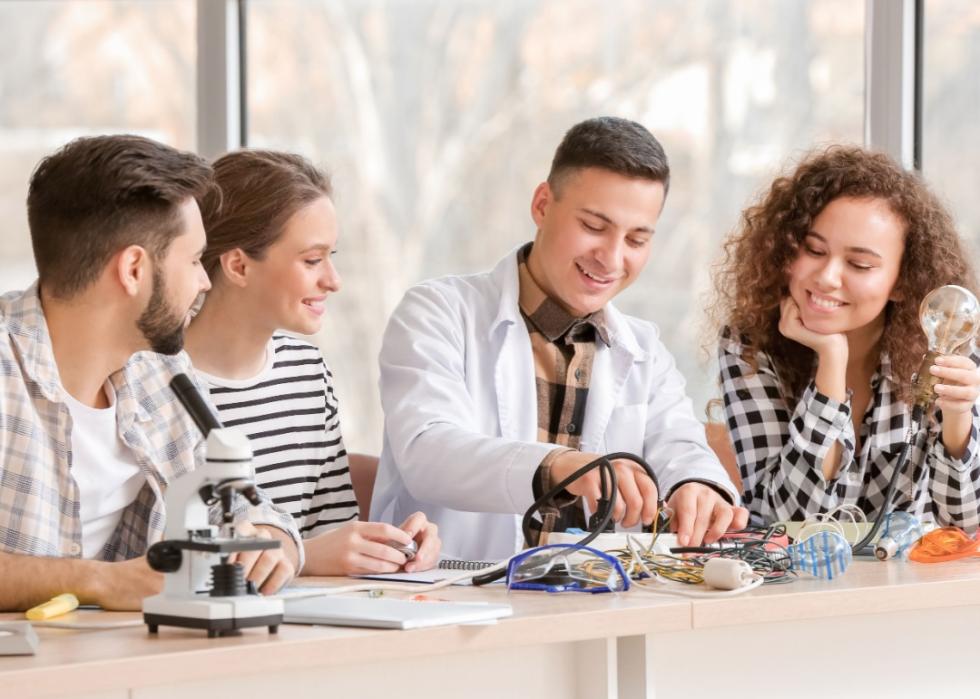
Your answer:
<point x="611" y="143"/>
<point x="259" y="191"/>
<point x="100" y="194"/>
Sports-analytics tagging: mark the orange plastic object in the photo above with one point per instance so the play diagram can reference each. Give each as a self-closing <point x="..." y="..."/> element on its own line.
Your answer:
<point x="946" y="544"/>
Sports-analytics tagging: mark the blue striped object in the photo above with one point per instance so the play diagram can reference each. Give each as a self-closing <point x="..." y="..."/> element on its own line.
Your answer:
<point x="825" y="554"/>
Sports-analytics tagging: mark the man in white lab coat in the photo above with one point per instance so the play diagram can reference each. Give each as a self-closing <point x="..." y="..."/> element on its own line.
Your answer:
<point x="496" y="386"/>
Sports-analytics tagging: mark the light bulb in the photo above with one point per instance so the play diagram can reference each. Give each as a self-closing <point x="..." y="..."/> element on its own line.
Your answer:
<point x="902" y="531"/>
<point x="950" y="317"/>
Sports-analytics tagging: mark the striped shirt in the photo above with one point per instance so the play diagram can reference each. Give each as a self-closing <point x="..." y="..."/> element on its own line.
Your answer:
<point x="289" y="412"/>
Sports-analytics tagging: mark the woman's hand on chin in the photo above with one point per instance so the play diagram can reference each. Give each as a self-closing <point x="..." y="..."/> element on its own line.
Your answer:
<point x="791" y="326"/>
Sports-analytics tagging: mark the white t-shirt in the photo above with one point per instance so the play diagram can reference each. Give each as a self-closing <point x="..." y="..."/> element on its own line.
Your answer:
<point x="104" y="469"/>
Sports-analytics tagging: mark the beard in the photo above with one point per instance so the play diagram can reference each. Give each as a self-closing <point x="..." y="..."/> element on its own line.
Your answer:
<point x="161" y="325"/>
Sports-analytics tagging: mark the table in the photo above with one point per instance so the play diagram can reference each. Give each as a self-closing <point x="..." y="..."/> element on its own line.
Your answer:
<point x="901" y="626"/>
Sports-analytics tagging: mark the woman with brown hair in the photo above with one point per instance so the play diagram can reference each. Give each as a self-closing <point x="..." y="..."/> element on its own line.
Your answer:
<point x="271" y="233"/>
<point x="818" y="296"/>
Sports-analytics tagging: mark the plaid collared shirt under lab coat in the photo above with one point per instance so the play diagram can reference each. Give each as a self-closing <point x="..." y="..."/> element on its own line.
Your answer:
<point x="39" y="499"/>
<point x="780" y="446"/>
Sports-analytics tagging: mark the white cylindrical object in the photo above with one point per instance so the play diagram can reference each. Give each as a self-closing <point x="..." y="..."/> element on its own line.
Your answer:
<point x="727" y="573"/>
<point x="886" y="548"/>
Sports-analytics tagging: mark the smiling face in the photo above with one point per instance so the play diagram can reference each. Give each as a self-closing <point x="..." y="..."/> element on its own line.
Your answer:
<point x="847" y="266"/>
<point x="594" y="236"/>
<point x="287" y="288"/>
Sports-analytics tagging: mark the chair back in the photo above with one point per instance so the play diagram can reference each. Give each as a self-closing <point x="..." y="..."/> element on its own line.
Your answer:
<point x="721" y="443"/>
<point x="363" y="469"/>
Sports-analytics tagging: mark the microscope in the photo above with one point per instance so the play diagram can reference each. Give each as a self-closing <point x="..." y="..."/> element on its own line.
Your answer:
<point x="202" y="590"/>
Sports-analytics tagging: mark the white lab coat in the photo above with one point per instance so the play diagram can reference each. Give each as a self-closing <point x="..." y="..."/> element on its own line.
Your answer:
<point x="458" y="393"/>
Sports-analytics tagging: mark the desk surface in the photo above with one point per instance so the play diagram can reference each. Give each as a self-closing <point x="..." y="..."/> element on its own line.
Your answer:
<point x="113" y="659"/>
<point x="868" y="587"/>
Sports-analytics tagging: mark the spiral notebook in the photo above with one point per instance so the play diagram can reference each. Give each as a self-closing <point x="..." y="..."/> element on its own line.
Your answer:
<point x="460" y="564"/>
<point x="447" y="567"/>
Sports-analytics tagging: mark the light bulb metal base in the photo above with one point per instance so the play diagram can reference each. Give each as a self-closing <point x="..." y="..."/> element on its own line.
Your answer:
<point x="924" y="382"/>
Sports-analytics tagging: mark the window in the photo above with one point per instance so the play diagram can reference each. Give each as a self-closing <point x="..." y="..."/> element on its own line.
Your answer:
<point x="71" y="69"/>
<point x="951" y="108"/>
<point x="437" y="120"/>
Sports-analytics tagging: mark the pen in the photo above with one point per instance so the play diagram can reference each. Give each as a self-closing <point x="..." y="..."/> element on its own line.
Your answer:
<point x="56" y="606"/>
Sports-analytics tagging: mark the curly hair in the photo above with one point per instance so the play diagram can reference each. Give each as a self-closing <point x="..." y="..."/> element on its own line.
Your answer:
<point x="751" y="279"/>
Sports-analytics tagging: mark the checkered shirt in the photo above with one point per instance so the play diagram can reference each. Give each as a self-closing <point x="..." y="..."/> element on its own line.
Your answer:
<point x="39" y="499"/>
<point x="780" y="447"/>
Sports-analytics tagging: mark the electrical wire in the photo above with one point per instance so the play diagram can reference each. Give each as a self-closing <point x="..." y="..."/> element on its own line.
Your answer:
<point x="834" y="520"/>
<point x="607" y="498"/>
<point x="769" y="561"/>
<point x="604" y="509"/>
<point x="654" y="579"/>
<point x="914" y="426"/>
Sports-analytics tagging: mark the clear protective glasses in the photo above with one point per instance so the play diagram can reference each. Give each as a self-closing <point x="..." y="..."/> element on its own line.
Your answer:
<point x="566" y="568"/>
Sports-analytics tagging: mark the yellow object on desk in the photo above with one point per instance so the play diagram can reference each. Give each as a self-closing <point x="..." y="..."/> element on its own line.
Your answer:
<point x="56" y="606"/>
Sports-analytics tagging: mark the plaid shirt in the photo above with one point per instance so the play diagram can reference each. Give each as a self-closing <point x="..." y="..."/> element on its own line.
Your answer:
<point x="780" y="448"/>
<point x="39" y="506"/>
<point x="563" y="347"/>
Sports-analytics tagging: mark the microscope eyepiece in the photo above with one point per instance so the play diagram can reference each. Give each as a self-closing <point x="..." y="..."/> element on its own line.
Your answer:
<point x="195" y="406"/>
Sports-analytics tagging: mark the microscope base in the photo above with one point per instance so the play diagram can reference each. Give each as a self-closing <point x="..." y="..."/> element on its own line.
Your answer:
<point x="216" y="615"/>
<point x="214" y="627"/>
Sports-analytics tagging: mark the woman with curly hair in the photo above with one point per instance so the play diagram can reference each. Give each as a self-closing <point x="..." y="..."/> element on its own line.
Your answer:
<point x="818" y="295"/>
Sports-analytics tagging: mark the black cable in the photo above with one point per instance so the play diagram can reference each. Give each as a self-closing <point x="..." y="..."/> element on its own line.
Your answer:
<point x="605" y="467"/>
<point x="604" y="509"/>
<point x="766" y="557"/>
<point x="605" y="517"/>
<point x="917" y="414"/>
<point x="602" y="505"/>
<point x="617" y="455"/>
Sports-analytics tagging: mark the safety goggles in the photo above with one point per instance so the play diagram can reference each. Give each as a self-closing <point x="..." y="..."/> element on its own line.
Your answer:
<point x="566" y="568"/>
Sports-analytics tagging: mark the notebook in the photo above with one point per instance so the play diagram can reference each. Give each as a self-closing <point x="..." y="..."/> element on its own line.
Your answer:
<point x="382" y="613"/>
<point x="447" y="568"/>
